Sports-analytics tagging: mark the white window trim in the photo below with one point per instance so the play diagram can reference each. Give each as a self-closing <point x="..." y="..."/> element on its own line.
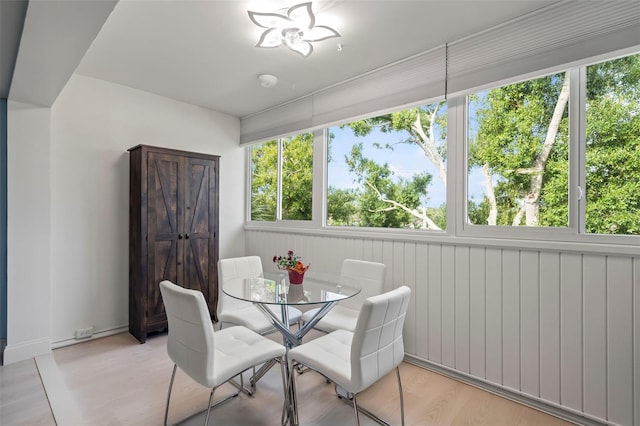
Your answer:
<point x="457" y="227"/>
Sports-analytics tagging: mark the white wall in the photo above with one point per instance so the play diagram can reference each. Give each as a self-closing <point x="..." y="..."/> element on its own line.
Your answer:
<point x="28" y="232"/>
<point x="558" y="328"/>
<point x="68" y="183"/>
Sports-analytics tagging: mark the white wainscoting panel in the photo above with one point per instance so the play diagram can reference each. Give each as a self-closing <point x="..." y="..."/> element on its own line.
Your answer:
<point x="477" y="312"/>
<point x="571" y="331"/>
<point x="493" y="320"/>
<point x="595" y="341"/>
<point x="549" y="267"/>
<point x="530" y="323"/>
<point x="559" y="329"/>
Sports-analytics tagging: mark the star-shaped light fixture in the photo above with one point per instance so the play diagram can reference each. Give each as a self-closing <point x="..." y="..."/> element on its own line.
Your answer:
<point x="296" y="30"/>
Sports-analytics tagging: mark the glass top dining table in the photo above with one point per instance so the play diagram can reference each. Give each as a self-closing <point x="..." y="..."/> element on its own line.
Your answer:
<point x="272" y="288"/>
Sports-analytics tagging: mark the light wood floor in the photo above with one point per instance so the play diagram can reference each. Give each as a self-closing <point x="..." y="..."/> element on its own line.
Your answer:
<point x="117" y="381"/>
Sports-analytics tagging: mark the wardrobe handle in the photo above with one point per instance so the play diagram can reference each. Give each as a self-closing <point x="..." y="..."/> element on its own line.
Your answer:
<point x="179" y="236"/>
<point x="187" y="235"/>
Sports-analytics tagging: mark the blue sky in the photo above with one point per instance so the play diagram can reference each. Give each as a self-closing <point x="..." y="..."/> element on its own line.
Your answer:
<point x="405" y="161"/>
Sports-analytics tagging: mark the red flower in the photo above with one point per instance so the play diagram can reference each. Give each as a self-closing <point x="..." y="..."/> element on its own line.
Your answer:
<point x="290" y="262"/>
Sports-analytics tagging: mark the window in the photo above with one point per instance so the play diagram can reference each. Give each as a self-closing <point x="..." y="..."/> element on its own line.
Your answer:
<point x="264" y="181"/>
<point x="526" y="173"/>
<point x="518" y="148"/>
<point x="389" y="171"/>
<point x="613" y="147"/>
<point x="282" y="179"/>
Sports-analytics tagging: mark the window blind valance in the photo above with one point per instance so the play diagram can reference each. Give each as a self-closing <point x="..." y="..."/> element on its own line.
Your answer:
<point x="417" y="78"/>
<point x="283" y="120"/>
<point x="548" y="38"/>
<point x="551" y="37"/>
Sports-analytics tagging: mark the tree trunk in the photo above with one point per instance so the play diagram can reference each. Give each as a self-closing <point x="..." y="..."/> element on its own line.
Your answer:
<point x="532" y="199"/>
<point x="491" y="196"/>
<point x="428" y="143"/>
<point x="517" y="219"/>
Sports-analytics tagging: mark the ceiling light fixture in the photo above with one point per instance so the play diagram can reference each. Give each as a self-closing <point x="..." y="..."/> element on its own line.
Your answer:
<point x="296" y="30"/>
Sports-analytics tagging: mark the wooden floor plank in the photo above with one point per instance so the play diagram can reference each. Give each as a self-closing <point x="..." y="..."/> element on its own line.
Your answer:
<point x="117" y="381"/>
<point x="22" y="397"/>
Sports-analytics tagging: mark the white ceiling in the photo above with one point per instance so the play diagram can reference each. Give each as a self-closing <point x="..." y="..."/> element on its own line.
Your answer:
<point x="203" y="51"/>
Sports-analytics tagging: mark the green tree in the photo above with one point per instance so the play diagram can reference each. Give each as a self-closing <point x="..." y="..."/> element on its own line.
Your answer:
<point x="386" y="201"/>
<point x="519" y="129"/>
<point x="264" y="181"/>
<point x="613" y="147"/>
<point x="342" y="207"/>
<point x="296" y="176"/>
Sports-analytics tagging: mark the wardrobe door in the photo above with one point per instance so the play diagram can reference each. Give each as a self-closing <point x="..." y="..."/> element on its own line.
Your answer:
<point x="164" y="228"/>
<point x="200" y="227"/>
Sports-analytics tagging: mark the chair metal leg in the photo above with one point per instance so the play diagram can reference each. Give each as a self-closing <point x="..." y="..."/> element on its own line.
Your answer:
<point x="355" y="409"/>
<point x="209" y="406"/>
<point x="166" y="410"/>
<point x="241" y="387"/>
<point x="261" y="372"/>
<point x="206" y="420"/>
<point x="401" y="396"/>
<point x="350" y="398"/>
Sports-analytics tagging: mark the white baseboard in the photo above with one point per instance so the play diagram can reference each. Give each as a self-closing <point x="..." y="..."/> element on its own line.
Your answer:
<point x="26" y="350"/>
<point x="73" y="340"/>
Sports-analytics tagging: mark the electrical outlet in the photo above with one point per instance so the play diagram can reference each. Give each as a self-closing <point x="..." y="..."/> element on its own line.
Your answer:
<point x="84" y="333"/>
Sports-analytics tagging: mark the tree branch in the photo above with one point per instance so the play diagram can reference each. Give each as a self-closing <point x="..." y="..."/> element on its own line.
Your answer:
<point x="425" y="218"/>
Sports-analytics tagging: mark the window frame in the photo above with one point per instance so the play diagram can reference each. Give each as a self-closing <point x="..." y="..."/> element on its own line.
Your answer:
<point x="457" y="144"/>
<point x="314" y="222"/>
<point x="325" y="184"/>
<point x="575" y="231"/>
<point x="519" y="232"/>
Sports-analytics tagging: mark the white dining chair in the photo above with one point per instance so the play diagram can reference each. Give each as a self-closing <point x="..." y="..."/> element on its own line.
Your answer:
<point x="343" y="316"/>
<point x="356" y="360"/>
<point x="209" y="357"/>
<point x="239" y="312"/>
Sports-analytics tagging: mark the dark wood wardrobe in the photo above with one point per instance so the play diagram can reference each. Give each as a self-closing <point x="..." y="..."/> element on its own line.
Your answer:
<point x="173" y="230"/>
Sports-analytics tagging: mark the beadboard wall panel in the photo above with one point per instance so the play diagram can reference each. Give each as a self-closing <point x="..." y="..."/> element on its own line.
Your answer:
<point x="477" y="312"/>
<point x="549" y="309"/>
<point x="511" y="319"/>
<point x="571" y="331"/>
<point x="462" y="310"/>
<point x="448" y="307"/>
<point x="619" y="355"/>
<point x="595" y="342"/>
<point x="493" y="320"/>
<point x="434" y="306"/>
<point x="530" y="323"/>
<point x="557" y="328"/>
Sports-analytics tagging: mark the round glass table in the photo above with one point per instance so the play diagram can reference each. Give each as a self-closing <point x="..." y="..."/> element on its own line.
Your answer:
<point x="273" y="289"/>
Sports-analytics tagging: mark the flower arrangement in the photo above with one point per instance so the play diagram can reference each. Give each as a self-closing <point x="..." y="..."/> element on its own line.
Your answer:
<point x="290" y="262"/>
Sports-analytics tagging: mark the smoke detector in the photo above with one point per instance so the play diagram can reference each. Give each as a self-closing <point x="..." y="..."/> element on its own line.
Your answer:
<point x="267" y="80"/>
